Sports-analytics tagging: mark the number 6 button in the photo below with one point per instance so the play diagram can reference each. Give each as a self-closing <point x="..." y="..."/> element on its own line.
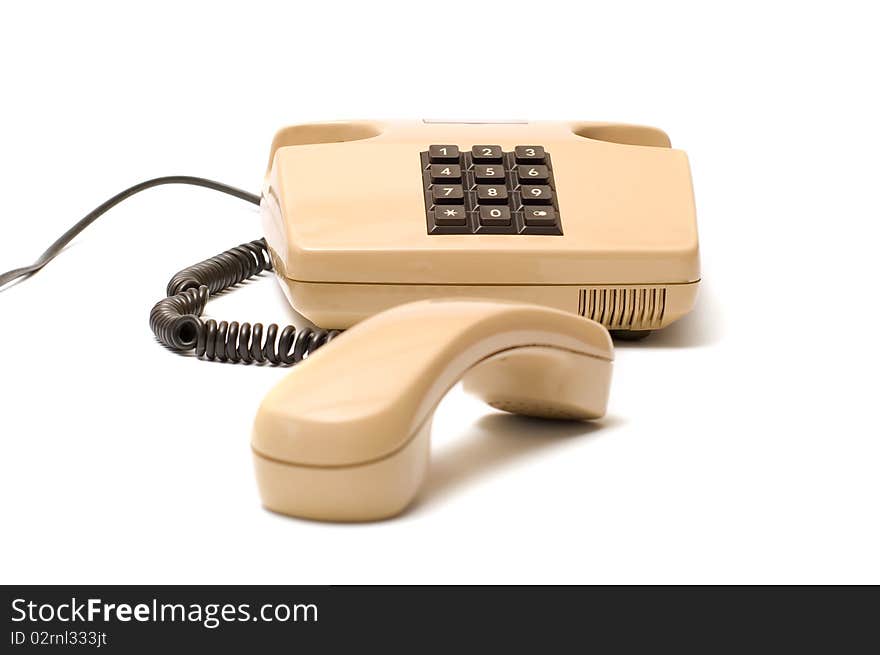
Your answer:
<point x="536" y="195"/>
<point x="532" y="174"/>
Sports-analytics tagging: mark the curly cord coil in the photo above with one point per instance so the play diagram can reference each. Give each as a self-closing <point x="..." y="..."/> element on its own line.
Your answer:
<point x="176" y="320"/>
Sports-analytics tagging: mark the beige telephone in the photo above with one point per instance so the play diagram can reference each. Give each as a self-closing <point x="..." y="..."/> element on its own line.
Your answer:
<point x="493" y="253"/>
<point x="596" y="219"/>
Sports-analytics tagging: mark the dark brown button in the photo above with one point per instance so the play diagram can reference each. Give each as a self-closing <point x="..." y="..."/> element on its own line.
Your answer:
<point x="536" y="195"/>
<point x="443" y="154"/>
<point x="529" y="154"/>
<point x="446" y="194"/>
<point x="449" y="215"/>
<point x="538" y="216"/>
<point x="487" y="154"/>
<point x="532" y="173"/>
<point x="445" y="173"/>
<point x="489" y="172"/>
<point x="492" y="193"/>
<point x="495" y="216"/>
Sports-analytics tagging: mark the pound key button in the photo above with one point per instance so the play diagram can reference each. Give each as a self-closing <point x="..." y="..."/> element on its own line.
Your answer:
<point x="539" y="216"/>
<point x="443" y="154"/>
<point x="449" y="216"/>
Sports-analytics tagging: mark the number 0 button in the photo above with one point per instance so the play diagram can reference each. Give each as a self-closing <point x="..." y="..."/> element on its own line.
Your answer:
<point x="492" y="216"/>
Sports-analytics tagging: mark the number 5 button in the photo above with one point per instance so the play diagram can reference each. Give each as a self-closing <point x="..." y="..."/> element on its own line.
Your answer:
<point x="536" y="195"/>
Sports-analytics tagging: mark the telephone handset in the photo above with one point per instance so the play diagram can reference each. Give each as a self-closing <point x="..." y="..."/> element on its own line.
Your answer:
<point x="500" y="253"/>
<point x="362" y="454"/>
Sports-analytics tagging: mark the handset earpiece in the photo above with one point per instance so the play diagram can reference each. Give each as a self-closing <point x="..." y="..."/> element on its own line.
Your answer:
<point x="346" y="435"/>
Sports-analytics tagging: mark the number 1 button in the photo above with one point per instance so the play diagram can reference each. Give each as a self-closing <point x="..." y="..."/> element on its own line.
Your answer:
<point x="443" y="154"/>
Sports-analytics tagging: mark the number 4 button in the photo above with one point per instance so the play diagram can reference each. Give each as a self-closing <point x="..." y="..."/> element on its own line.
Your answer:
<point x="445" y="173"/>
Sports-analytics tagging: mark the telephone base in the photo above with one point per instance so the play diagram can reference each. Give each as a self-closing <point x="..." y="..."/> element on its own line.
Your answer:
<point x="632" y="308"/>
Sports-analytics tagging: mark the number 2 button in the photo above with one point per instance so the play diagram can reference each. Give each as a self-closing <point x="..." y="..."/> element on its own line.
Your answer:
<point x="487" y="154"/>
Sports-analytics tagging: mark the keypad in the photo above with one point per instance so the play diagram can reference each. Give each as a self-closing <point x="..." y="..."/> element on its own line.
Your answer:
<point x="483" y="189"/>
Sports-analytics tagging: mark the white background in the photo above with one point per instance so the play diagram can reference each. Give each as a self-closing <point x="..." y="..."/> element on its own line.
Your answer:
<point x="741" y="444"/>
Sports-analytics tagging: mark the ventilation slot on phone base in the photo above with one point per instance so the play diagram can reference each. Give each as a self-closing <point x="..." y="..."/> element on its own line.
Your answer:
<point x="624" y="308"/>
